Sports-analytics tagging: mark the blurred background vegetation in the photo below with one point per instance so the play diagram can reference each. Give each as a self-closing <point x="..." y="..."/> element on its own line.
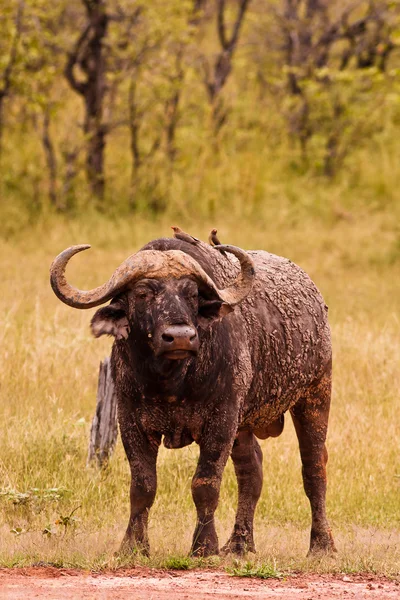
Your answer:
<point x="197" y="107"/>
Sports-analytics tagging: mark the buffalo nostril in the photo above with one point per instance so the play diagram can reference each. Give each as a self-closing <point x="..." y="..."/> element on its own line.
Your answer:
<point x="193" y="337"/>
<point x="167" y="338"/>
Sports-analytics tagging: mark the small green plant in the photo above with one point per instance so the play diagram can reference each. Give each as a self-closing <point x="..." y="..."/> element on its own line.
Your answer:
<point x="180" y="563"/>
<point x="249" y="569"/>
<point x="15" y="497"/>
<point x="33" y="495"/>
<point x="68" y="521"/>
<point x="184" y="563"/>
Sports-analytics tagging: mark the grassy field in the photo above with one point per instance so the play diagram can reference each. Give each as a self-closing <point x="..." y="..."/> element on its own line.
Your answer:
<point x="54" y="509"/>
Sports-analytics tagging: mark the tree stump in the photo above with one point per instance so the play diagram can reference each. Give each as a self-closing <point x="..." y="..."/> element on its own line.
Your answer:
<point x="104" y="430"/>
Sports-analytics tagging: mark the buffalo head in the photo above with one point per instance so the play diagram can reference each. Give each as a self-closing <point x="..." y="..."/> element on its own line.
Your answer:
<point x="160" y="299"/>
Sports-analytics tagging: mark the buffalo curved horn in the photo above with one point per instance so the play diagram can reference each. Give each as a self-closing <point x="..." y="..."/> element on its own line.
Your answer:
<point x="71" y="295"/>
<point x="242" y="285"/>
<point x="148" y="263"/>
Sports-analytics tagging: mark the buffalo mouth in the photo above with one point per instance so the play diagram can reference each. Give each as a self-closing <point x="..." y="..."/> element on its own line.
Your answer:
<point x="178" y="354"/>
<point x="177" y="342"/>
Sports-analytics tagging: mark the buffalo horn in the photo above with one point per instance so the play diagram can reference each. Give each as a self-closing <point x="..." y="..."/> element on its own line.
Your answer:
<point x="148" y="263"/>
<point x="241" y="287"/>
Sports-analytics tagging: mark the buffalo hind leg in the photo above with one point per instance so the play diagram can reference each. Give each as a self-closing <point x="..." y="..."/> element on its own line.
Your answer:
<point x="247" y="459"/>
<point x="310" y="418"/>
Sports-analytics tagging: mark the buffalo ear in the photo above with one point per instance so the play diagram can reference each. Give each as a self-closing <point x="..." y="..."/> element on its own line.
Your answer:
<point x="210" y="310"/>
<point x="110" y="320"/>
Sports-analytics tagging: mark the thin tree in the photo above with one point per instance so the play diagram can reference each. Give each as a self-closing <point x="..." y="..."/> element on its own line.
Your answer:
<point x="308" y="40"/>
<point x="6" y="77"/>
<point x="88" y="55"/>
<point x="216" y="74"/>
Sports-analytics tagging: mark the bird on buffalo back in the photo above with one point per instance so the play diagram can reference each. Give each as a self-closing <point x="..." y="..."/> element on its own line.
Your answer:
<point x="214" y="241"/>
<point x="184" y="237"/>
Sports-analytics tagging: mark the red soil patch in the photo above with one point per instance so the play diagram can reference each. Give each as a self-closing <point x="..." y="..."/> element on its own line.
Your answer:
<point x="150" y="584"/>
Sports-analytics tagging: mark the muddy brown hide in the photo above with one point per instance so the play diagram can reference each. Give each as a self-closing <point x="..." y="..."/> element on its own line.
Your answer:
<point x="271" y="354"/>
<point x="267" y="355"/>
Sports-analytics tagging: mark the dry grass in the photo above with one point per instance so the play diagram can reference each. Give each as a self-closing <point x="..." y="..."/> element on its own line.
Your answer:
<point x="48" y="379"/>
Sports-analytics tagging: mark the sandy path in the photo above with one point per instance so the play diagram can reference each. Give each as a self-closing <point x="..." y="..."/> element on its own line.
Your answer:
<point x="144" y="584"/>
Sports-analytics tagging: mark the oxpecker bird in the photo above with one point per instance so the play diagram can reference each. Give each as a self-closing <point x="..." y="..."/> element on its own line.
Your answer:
<point x="184" y="237"/>
<point x="214" y="241"/>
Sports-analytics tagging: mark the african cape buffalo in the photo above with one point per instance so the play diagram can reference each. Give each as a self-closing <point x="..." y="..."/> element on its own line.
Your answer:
<point x="213" y="349"/>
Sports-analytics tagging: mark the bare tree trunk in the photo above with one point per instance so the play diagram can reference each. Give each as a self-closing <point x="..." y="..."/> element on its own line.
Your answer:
<point x="215" y="78"/>
<point x="307" y="36"/>
<point x="171" y="113"/>
<point x="134" y="125"/>
<point x="2" y="98"/>
<point x="6" y="82"/>
<point x="51" y="159"/>
<point x="172" y="107"/>
<point x="139" y="157"/>
<point x="88" y="55"/>
<point x="70" y="156"/>
<point x="95" y="135"/>
<point x="104" y="430"/>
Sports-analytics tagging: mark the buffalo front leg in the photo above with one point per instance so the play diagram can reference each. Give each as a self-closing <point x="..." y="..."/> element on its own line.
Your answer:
<point x="142" y="456"/>
<point x="310" y="418"/>
<point x="247" y="459"/>
<point x="206" y="484"/>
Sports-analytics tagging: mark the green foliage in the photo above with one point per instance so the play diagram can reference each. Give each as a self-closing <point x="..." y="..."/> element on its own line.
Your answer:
<point x="68" y="522"/>
<point x="35" y="498"/>
<point x="180" y="563"/>
<point x="161" y="154"/>
<point x="259" y="571"/>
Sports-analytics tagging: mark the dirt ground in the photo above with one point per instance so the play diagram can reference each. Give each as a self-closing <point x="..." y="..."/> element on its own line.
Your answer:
<point x="146" y="584"/>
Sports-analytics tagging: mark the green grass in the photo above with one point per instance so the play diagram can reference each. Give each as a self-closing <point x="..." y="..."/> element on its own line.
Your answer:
<point x="48" y="375"/>
<point x="179" y="563"/>
<point x="259" y="571"/>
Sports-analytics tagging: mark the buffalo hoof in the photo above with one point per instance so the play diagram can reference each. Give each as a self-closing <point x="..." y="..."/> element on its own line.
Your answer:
<point x="321" y="543"/>
<point x="204" y="550"/>
<point x="131" y="547"/>
<point x="239" y="545"/>
<point x="207" y="547"/>
<point x="205" y="540"/>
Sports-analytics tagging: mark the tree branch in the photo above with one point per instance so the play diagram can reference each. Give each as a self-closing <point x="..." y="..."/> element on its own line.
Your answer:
<point x="13" y="51"/>
<point x="78" y="86"/>
<point x="238" y="23"/>
<point x="229" y="45"/>
<point x="221" y="24"/>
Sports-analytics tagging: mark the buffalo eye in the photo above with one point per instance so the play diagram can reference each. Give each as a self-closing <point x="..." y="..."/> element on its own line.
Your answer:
<point x="144" y="293"/>
<point x="190" y="293"/>
<point x="189" y="289"/>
